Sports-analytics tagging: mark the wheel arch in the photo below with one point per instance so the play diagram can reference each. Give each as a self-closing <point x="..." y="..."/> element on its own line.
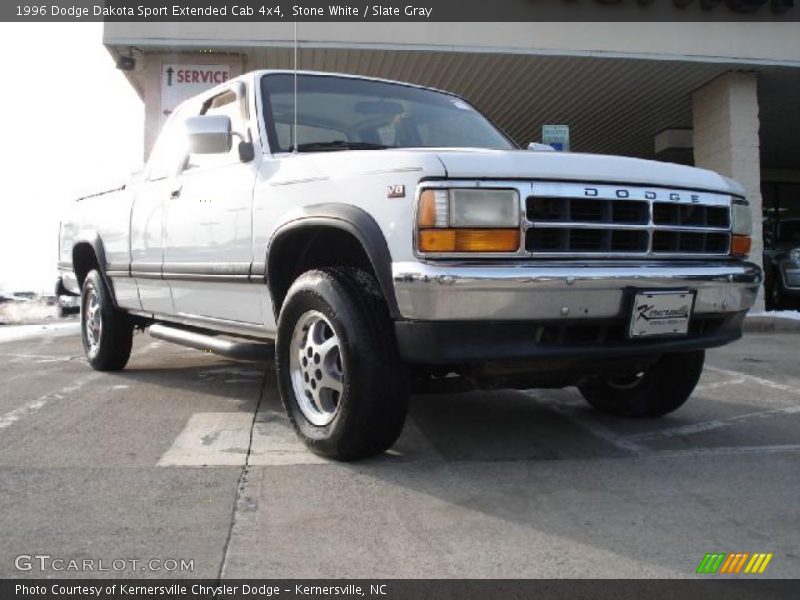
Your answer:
<point x="87" y="254"/>
<point x="311" y="233"/>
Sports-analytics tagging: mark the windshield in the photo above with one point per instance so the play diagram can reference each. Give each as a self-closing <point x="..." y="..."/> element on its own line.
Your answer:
<point x="338" y="113"/>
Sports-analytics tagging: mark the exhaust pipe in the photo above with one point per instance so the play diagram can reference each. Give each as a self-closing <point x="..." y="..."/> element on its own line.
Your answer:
<point x="239" y="350"/>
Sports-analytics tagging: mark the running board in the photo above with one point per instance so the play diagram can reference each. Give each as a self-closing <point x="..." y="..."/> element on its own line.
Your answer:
<point x="237" y="349"/>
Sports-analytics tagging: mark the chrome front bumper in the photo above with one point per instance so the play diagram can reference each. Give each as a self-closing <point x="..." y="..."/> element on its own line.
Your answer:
<point x="563" y="290"/>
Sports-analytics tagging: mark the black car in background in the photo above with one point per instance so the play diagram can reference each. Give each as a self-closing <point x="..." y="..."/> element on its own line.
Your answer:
<point x="782" y="265"/>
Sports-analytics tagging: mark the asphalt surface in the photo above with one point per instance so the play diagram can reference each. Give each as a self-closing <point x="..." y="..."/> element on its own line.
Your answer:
<point x="185" y="455"/>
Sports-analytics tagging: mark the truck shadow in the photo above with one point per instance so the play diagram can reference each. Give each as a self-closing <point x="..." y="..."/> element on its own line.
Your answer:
<point x="499" y="425"/>
<point x="186" y="370"/>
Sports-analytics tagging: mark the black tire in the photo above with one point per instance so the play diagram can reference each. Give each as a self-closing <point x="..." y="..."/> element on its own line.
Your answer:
<point x="112" y="348"/>
<point x="660" y="389"/>
<point x="369" y="412"/>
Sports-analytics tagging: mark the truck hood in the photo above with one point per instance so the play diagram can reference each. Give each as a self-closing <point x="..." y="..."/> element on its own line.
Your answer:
<point x="589" y="168"/>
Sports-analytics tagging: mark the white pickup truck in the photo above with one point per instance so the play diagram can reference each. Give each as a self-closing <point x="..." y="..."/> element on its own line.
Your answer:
<point x="377" y="237"/>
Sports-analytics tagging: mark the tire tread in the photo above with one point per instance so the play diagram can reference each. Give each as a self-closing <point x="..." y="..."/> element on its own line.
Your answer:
<point x="380" y="415"/>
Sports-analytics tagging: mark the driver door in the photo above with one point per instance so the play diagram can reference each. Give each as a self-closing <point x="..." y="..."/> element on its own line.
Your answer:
<point x="208" y="227"/>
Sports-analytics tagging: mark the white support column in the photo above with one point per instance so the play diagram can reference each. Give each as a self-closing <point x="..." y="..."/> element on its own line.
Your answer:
<point x="725" y="120"/>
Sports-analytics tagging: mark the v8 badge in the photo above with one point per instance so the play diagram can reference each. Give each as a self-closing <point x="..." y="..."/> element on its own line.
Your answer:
<point x="396" y="191"/>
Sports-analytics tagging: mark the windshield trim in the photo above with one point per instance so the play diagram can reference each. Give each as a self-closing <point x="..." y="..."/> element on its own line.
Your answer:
<point x="268" y="125"/>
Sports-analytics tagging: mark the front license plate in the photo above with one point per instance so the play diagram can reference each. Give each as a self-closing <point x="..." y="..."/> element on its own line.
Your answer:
<point x="661" y="313"/>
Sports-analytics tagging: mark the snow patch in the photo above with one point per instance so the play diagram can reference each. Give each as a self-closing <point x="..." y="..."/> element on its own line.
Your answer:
<point x="27" y="312"/>
<point x="777" y="314"/>
<point x="10" y="333"/>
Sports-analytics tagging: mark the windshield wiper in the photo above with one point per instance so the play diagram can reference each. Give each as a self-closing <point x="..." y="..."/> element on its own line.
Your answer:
<point x="337" y="145"/>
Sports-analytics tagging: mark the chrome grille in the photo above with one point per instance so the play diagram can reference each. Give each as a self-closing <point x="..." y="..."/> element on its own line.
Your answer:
<point x="588" y="210"/>
<point x="592" y="220"/>
<point x="665" y="213"/>
<point x="585" y="240"/>
<point x="690" y="242"/>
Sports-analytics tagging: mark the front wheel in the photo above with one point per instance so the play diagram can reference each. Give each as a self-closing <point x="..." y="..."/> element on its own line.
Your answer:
<point x="106" y="332"/>
<point x="660" y="389"/>
<point x="338" y="372"/>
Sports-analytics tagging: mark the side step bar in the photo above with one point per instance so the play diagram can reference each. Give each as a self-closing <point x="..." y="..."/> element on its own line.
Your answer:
<point x="237" y="349"/>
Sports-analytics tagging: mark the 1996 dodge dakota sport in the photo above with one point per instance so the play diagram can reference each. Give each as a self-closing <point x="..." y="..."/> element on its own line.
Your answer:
<point x="377" y="237"/>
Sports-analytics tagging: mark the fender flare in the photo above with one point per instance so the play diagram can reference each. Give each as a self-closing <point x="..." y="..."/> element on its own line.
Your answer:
<point x="353" y="220"/>
<point x="93" y="240"/>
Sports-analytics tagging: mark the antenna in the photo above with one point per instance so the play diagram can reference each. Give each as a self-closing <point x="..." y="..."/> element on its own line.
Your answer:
<point x="294" y="126"/>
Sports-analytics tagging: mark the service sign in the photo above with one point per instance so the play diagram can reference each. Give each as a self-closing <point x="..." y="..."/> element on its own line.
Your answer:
<point x="556" y="136"/>
<point x="180" y="82"/>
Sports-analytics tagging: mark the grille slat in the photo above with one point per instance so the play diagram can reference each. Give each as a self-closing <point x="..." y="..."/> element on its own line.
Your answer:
<point x="564" y="225"/>
<point x="589" y="211"/>
<point x="630" y="212"/>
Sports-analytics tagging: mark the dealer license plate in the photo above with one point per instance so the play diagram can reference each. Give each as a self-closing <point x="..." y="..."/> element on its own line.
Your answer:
<point x="661" y="313"/>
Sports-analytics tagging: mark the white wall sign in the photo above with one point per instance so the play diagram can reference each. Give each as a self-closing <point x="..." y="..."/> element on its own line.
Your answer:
<point x="179" y="82"/>
<point x="556" y="136"/>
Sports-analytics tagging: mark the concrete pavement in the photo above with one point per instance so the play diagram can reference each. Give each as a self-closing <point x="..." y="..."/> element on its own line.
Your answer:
<point x="188" y="456"/>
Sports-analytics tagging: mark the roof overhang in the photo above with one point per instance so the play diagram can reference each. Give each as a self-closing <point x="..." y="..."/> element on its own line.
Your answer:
<point x="616" y="84"/>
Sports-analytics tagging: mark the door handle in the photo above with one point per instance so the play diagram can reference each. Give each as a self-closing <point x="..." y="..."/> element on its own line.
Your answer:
<point x="175" y="193"/>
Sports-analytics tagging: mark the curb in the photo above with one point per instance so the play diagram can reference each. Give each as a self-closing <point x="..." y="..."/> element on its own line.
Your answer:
<point x="764" y="323"/>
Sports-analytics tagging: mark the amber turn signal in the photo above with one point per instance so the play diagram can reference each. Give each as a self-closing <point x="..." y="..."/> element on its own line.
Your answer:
<point x="469" y="240"/>
<point x="427" y="209"/>
<point x="740" y="245"/>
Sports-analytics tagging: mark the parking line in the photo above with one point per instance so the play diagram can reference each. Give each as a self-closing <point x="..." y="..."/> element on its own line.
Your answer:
<point x="33" y="406"/>
<point x="704" y="426"/>
<point x="211" y="440"/>
<point x="222" y="439"/>
<point x="718" y="384"/>
<point x="588" y="425"/>
<point x="39" y="358"/>
<point x="727" y="451"/>
<point x="275" y="443"/>
<point x="760" y="380"/>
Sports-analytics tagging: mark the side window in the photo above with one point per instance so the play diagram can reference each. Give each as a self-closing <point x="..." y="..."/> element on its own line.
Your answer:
<point x="228" y="104"/>
<point x="170" y="148"/>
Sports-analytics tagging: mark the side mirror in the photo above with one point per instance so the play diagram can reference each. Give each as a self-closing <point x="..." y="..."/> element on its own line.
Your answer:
<point x="209" y="134"/>
<point x="537" y="147"/>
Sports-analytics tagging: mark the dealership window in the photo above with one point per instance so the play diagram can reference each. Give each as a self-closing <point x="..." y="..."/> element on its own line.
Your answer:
<point x="781" y="208"/>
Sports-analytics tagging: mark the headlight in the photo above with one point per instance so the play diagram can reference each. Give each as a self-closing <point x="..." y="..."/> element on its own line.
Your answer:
<point x="468" y="220"/>
<point x="741" y="227"/>
<point x="741" y="217"/>
<point x="484" y="208"/>
<point x="794" y="256"/>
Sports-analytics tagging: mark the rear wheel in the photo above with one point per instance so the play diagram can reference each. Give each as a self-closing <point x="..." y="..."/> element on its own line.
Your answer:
<point x="660" y="389"/>
<point x="338" y="371"/>
<point x="106" y="332"/>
